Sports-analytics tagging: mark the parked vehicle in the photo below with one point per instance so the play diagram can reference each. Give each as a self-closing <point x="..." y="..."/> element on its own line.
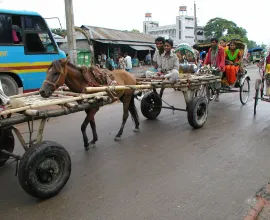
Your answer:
<point x="27" y="49"/>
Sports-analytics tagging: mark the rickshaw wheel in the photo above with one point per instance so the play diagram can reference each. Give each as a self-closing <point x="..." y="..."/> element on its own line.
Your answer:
<point x="244" y="99"/>
<point x="7" y="143"/>
<point x="256" y="98"/>
<point x="206" y="91"/>
<point x="262" y="88"/>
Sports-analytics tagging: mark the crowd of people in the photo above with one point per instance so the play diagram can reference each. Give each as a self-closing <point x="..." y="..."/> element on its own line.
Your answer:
<point x="226" y="59"/>
<point x="123" y="62"/>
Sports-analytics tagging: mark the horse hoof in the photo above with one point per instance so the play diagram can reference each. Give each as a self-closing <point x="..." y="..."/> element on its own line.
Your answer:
<point x="137" y="130"/>
<point x="86" y="147"/>
<point x="117" y="138"/>
<point x="92" y="145"/>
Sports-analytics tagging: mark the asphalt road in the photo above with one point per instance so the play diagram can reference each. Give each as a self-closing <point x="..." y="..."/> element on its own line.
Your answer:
<point x="168" y="171"/>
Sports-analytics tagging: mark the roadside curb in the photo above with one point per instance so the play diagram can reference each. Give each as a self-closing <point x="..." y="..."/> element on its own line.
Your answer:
<point x="256" y="209"/>
<point x="262" y="200"/>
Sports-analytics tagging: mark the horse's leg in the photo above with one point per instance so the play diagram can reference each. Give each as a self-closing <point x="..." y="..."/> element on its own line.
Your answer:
<point x="134" y="114"/>
<point x="125" y="99"/>
<point x="90" y="118"/>
<point x="161" y="92"/>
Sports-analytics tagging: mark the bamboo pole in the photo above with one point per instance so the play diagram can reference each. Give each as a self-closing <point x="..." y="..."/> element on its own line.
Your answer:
<point x="116" y="88"/>
<point x="53" y="102"/>
<point x="147" y="86"/>
<point x="24" y="94"/>
<point x="18" y="119"/>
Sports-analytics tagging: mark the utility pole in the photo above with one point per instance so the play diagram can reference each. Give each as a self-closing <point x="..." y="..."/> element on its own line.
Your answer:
<point x="195" y="24"/>
<point x="71" y="39"/>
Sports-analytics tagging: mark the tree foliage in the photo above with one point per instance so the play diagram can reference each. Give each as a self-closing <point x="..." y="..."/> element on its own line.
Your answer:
<point x="219" y="27"/>
<point x="59" y="31"/>
<point x="135" y="31"/>
<point x="225" y="29"/>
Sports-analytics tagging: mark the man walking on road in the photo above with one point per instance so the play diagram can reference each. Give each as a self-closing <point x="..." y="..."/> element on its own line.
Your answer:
<point x="128" y="62"/>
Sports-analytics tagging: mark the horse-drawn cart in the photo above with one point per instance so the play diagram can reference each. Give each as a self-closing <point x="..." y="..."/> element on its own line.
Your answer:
<point x="45" y="167"/>
<point x="196" y="104"/>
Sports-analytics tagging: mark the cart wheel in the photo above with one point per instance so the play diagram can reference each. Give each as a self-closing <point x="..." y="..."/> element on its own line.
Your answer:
<point x="197" y="112"/>
<point x="151" y="105"/>
<point x="44" y="169"/>
<point x="244" y="91"/>
<point x="6" y="143"/>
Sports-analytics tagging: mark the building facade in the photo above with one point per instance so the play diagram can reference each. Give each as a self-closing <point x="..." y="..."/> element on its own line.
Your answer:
<point x="183" y="31"/>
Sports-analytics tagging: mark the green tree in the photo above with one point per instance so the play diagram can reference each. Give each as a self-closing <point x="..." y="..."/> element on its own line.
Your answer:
<point x="217" y="27"/>
<point x="135" y="31"/>
<point x="263" y="45"/>
<point x="234" y="36"/>
<point x="251" y="44"/>
<point x="59" y="31"/>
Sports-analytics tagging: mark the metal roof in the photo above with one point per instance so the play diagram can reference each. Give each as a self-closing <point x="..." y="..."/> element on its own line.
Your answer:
<point x="126" y="43"/>
<point x="141" y="47"/>
<point x="98" y="33"/>
<point x="59" y="39"/>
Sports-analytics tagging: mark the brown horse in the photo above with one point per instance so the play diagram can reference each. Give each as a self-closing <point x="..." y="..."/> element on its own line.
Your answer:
<point x="61" y="71"/>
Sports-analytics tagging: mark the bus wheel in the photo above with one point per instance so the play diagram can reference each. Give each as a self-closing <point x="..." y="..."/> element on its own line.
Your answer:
<point x="9" y="85"/>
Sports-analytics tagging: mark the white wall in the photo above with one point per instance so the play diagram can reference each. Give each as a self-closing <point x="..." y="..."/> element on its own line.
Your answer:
<point x="182" y="31"/>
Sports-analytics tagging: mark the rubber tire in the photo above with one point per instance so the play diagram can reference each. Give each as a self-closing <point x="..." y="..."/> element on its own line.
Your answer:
<point x="30" y="161"/>
<point x="7" y="142"/>
<point x="256" y="98"/>
<point x="145" y="106"/>
<point x="10" y="83"/>
<point x="262" y="88"/>
<point x="192" y="112"/>
<point x="241" y="89"/>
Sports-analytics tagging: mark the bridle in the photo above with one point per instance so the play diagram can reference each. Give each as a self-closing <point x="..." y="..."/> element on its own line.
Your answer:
<point x="61" y="79"/>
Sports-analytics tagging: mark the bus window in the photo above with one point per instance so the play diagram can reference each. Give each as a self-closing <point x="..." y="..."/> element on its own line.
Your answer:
<point x="37" y="36"/>
<point x="34" y="23"/>
<point x="17" y="29"/>
<point x="5" y="29"/>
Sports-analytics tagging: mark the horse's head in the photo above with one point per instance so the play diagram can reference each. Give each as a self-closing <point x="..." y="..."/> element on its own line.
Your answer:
<point x="55" y="77"/>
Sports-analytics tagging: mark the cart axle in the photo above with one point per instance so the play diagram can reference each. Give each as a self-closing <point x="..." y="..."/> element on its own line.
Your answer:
<point x="174" y="109"/>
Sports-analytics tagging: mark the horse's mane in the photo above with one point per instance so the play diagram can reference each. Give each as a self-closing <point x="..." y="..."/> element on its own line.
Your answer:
<point x="57" y="65"/>
<point x="93" y="75"/>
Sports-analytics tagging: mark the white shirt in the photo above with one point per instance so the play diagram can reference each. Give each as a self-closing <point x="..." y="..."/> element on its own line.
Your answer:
<point x="169" y="63"/>
<point x="128" y="62"/>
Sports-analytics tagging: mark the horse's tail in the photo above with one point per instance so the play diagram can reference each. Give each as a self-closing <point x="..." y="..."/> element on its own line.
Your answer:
<point x="132" y="109"/>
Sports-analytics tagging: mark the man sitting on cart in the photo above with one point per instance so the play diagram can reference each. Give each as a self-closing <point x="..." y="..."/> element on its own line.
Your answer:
<point x="160" y="41"/>
<point x="169" y="63"/>
<point x="216" y="59"/>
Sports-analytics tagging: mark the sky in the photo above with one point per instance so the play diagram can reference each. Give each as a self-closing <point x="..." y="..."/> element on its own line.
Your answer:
<point x="128" y="15"/>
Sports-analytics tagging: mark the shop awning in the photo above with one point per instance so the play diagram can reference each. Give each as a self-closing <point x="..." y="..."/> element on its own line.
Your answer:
<point x="141" y="48"/>
<point x="131" y="44"/>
